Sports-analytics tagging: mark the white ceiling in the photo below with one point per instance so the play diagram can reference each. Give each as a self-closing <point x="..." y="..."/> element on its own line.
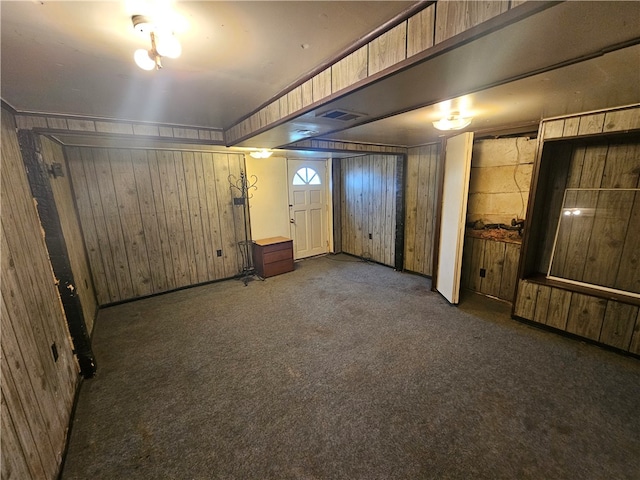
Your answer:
<point x="76" y="58"/>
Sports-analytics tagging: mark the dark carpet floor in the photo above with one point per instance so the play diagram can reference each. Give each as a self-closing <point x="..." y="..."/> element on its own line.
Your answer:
<point x="347" y="370"/>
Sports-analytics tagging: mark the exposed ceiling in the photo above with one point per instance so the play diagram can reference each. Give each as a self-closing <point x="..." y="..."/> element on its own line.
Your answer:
<point x="76" y="58"/>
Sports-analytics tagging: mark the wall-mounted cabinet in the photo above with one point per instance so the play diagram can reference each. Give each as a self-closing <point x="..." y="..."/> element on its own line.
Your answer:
<point x="580" y="266"/>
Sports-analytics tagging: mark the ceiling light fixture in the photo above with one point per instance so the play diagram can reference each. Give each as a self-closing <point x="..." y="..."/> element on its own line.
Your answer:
<point x="163" y="44"/>
<point x="454" y="121"/>
<point x="264" y="153"/>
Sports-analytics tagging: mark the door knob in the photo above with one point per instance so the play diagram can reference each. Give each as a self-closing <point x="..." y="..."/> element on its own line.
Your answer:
<point x="291" y="220"/>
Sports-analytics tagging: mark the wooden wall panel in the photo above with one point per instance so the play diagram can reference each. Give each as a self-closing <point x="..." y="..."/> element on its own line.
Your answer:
<point x="368" y="207"/>
<point x="608" y="322"/>
<point x="37" y="391"/>
<point x="64" y="199"/>
<point x="498" y="259"/>
<point x="453" y="16"/>
<point x="388" y="49"/>
<point x="349" y="70"/>
<point x="154" y="220"/>
<point x="420" y="207"/>
<point x="588" y="247"/>
<point x="421" y="30"/>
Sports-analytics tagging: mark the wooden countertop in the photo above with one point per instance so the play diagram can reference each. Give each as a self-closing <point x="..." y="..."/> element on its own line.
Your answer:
<point x="271" y="240"/>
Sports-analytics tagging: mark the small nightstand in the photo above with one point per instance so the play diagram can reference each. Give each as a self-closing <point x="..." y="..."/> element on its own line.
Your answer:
<point x="273" y="256"/>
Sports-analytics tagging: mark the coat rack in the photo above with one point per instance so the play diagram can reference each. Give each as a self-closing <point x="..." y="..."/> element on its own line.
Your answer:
<point x="242" y="187"/>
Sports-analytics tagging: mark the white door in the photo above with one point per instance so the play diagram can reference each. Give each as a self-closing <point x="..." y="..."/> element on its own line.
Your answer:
<point x="308" y="207"/>
<point x="457" y="168"/>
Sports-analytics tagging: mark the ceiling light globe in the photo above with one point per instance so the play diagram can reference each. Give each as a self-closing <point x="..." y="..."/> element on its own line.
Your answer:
<point x="168" y="46"/>
<point x="143" y="60"/>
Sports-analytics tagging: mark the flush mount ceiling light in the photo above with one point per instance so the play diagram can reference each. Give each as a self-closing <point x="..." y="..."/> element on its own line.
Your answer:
<point x="454" y="121"/>
<point x="264" y="153"/>
<point x="163" y="44"/>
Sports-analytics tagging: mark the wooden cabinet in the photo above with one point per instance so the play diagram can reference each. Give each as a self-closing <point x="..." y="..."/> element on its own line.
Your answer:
<point x="273" y="256"/>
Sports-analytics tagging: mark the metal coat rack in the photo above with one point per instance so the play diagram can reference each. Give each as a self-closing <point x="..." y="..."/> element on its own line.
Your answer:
<point x="242" y="187"/>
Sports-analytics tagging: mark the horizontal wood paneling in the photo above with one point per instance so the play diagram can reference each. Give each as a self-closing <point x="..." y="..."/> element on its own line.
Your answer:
<point x="420" y="207"/>
<point x="64" y="199"/>
<point x="368" y="196"/>
<point x="154" y="220"/>
<point x="37" y="392"/>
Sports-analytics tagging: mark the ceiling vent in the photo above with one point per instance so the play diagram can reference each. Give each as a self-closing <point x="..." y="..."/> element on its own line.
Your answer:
<point x="341" y="115"/>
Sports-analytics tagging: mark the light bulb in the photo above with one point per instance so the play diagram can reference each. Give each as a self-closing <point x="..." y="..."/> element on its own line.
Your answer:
<point x="168" y="45"/>
<point x="144" y="60"/>
<point x="452" y="123"/>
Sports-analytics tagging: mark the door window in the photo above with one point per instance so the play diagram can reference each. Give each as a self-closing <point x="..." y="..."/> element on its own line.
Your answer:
<point x="306" y="176"/>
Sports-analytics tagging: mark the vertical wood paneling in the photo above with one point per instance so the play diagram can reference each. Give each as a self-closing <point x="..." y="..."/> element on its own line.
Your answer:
<point x="558" y="312"/>
<point x="349" y="70"/>
<point x="149" y="221"/>
<point x="453" y="16"/>
<point x="618" y="324"/>
<point x="420" y="199"/>
<point x="105" y="190"/>
<point x="37" y="392"/>
<point x="101" y="262"/>
<point x="493" y="262"/>
<point x="509" y="271"/>
<point x="130" y="221"/>
<point x="336" y="188"/>
<point x="388" y="49"/>
<point x="155" y="218"/>
<point x="586" y="315"/>
<point x="606" y="163"/>
<point x="421" y="30"/>
<point x="368" y="207"/>
<point x="635" y="339"/>
<point x="525" y="304"/>
<point x="225" y="214"/>
<point x="499" y="261"/>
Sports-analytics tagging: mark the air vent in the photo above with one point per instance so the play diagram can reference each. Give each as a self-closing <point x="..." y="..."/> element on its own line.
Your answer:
<point x="341" y="115"/>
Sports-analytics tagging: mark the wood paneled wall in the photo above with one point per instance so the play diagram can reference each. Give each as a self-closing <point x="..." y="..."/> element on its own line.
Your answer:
<point x="498" y="261"/>
<point x="61" y="186"/>
<point x="122" y="128"/>
<point x="597" y="316"/>
<point x="368" y="207"/>
<point x="601" y="246"/>
<point x="420" y="207"/>
<point x="606" y="321"/>
<point x="37" y="390"/>
<point x="156" y="220"/>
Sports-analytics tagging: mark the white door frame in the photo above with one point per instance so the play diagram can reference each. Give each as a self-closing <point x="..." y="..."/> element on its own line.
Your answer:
<point x="328" y="191"/>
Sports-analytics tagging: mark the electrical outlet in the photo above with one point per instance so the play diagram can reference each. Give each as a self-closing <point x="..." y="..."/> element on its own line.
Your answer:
<point x="219" y="253"/>
<point x="483" y="272"/>
<point x="370" y="237"/>
<point x="54" y="351"/>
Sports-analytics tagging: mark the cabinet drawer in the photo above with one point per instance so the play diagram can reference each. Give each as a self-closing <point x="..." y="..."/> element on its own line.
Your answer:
<point x="276" y="268"/>
<point x="270" y="257"/>
<point x="277" y="247"/>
